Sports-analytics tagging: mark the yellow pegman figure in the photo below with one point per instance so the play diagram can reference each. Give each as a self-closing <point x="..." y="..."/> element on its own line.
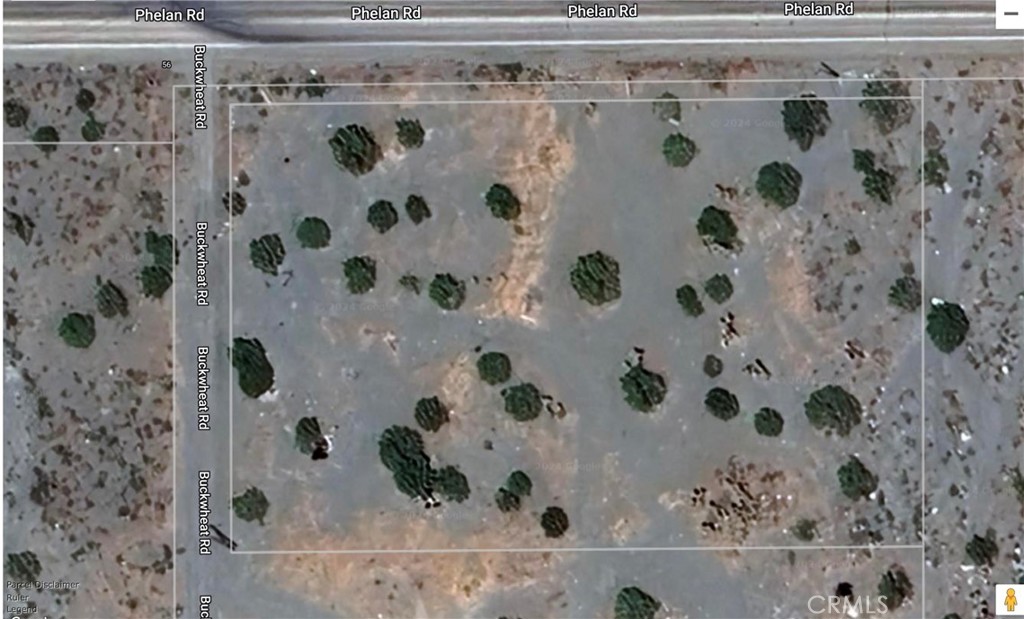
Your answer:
<point x="1010" y="601"/>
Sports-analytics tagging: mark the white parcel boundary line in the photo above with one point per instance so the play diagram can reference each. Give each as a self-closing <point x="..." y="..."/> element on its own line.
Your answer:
<point x="924" y="394"/>
<point x="539" y="101"/>
<point x="231" y="186"/>
<point x="97" y="143"/>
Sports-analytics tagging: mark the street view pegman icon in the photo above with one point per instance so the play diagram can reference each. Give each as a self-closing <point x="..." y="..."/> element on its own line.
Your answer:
<point x="1007" y="603"/>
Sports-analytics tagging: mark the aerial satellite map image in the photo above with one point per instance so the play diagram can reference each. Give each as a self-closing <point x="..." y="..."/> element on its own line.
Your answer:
<point x="513" y="309"/>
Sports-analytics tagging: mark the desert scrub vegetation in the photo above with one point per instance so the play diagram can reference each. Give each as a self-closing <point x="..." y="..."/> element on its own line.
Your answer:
<point x="905" y="293"/>
<point x="313" y="233"/>
<point x="355" y="149"/>
<point x="667" y="108"/>
<point x="410" y="132"/>
<point x="310" y="439"/>
<point x="502" y="202"/>
<point x="833" y="408"/>
<point x="768" y="422"/>
<point x="805" y="119"/>
<point x="689" y="300"/>
<point x="266" y="253"/>
<point x="77" y="330"/>
<point x="643" y="389"/>
<point x="494" y="367"/>
<point x="251" y="505"/>
<point x="721" y="403"/>
<point x="889" y="114"/>
<point x="447" y="291"/>
<point x="382" y="216"/>
<point x="855" y="480"/>
<point x="431" y="413"/>
<point x="947" y="325"/>
<point x="417" y="209"/>
<point x="110" y="299"/>
<point x="716" y="226"/>
<point x="595" y="278"/>
<point x="878" y="182"/>
<point x="554" y="521"/>
<point x="523" y="402"/>
<point x="360" y="274"/>
<point x="678" y="150"/>
<point x="779" y="183"/>
<point x="255" y="373"/>
<point x="718" y="288"/>
<point x="635" y="603"/>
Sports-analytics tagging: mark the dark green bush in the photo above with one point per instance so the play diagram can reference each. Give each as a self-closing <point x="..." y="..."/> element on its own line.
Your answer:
<point x="417" y="209"/>
<point x="983" y="550"/>
<point x="935" y="169"/>
<point x="688" y="299"/>
<point x="667" y="107"/>
<point x="22" y="567"/>
<point x="855" y="480"/>
<point x="251" y="505"/>
<point x="401" y="451"/>
<point x="947" y="326"/>
<point x="156" y="280"/>
<point x="21" y="225"/>
<point x="643" y="389"/>
<point x="360" y="274"/>
<point x="779" y="183"/>
<point x="235" y="203"/>
<point x="46" y="137"/>
<point x="719" y="288"/>
<point x="77" y="330"/>
<point x="410" y="132"/>
<point x="255" y="373"/>
<point x="895" y="587"/>
<point x="452" y="484"/>
<point x="267" y="253"/>
<point x="905" y="293"/>
<point x="494" y="367"/>
<point x="595" y="277"/>
<point x="888" y="114"/>
<point x="310" y="439"/>
<point x="110" y="300"/>
<point x="554" y="521"/>
<point x="678" y="150"/>
<point x="431" y="414"/>
<point x="805" y="530"/>
<point x="447" y="292"/>
<point x="93" y="130"/>
<point x="382" y="216"/>
<point x="313" y="233"/>
<point x="519" y="483"/>
<point x="833" y="408"/>
<point x="523" y="401"/>
<point x="85" y="99"/>
<point x="716" y="226"/>
<point x="713" y="366"/>
<point x="503" y="203"/>
<point x="804" y="119"/>
<point x="506" y="500"/>
<point x="721" y="403"/>
<point x="768" y="422"/>
<point x="15" y="114"/>
<point x="355" y="149"/>
<point x="635" y="603"/>
<point x="878" y="182"/>
<point x="411" y="283"/>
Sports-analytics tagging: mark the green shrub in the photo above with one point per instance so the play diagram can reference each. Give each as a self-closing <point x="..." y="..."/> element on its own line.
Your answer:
<point x="314" y="87"/>
<point x="494" y="367"/>
<point x="267" y="253"/>
<point x="667" y="107"/>
<point x="15" y="114"/>
<point x="643" y="389"/>
<point x="688" y="299"/>
<point x="716" y="226"/>
<point x="503" y="203"/>
<point x="417" y="209"/>
<point x="401" y="451"/>
<point x="888" y="114"/>
<point x="519" y="483"/>
<point x="554" y="521"/>
<point x="935" y="169"/>
<point x="452" y="484"/>
<point x="506" y="500"/>
<point x="382" y="216"/>
<point x="110" y="300"/>
<point x="855" y="480"/>
<point x="895" y="587"/>
<point x="878" y="182"/>
<point x="431" y="414"/>
<point x="85" y="99"/>
<point x="804" y="119"/>
<point x="46" y="138"/>
<point x="161" y="249"/>
<point x="410" y="132"/>
<point x="313" y="233"/>
<point x="721" y="403"/>
<point x="595" y="278"/>
<point x="411" y="283"/>
<point x="77" y="330"/>
<point x="447" y="292"/>
<point x="310" y="439"/>
<point x="634" y="603"/>
<point x="713" y="366"/>
<point x="21" y="225"/>
<point x="93" y="130"/>
<point x="947" y="326"/>
<point x="805" y="530"/>
<point x="235" y="203"/>
<point x="523" y="401"/>
<point x="22" y="567"/>
<point x="779" y="183"/>
<point x="768" y="422"/>
<point x="983" y="550"/>
<point x="719" y="288"/>
<point x="255" y="373"/>
<point x="251" y="505"/>
<point x="355" y="149"/>
<point x="156" y="280"/>
<point x="833" y="408"/>
<point x="679" y="150"/>
<point x="905" y="293"/>
<point x="360" y="274"/>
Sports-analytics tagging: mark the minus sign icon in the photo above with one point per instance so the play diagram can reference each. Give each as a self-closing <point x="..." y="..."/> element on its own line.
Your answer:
<point x="1011" y="13"/>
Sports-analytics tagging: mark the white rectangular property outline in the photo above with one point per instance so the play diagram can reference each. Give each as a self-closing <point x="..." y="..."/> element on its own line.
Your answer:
<point x="919" y="99"/>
